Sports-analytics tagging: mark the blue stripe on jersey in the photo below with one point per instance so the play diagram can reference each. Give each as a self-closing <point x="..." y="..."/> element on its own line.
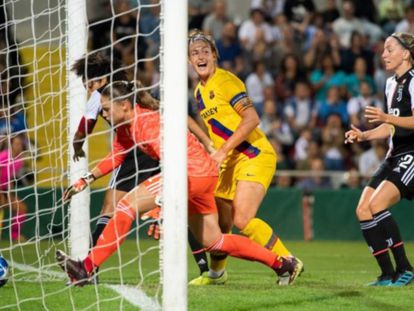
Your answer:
<point x="237" y="97"/>
<point x="200" y="101"/>
<point x="245" y="147"/>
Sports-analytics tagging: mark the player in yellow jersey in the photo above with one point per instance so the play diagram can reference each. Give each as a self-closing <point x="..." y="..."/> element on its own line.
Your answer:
<point x="246" y="159"/>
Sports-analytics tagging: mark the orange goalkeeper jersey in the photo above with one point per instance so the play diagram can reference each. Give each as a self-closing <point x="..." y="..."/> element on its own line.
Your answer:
<point x="145" y="133"/>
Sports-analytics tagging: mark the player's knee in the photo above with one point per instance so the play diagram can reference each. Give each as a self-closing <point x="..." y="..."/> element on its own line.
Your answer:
<point x="376" y="206"/>
<point x="363" y="211"/>
<point x="241" y="221"/>
<point x="108" y="208"/>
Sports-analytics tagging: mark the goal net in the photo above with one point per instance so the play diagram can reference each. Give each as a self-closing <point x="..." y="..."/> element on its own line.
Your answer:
<point x="42" y="103"/>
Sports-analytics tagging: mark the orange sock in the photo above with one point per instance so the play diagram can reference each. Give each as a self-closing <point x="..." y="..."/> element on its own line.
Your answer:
<point x="241" y="247"/>
<point x="112" y="236"/>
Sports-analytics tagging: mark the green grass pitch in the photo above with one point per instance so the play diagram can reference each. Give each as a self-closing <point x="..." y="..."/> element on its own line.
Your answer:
<point x="334" y="278"/>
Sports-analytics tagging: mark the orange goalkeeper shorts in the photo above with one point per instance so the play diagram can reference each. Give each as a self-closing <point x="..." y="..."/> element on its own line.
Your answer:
<point x="201" y="198"/>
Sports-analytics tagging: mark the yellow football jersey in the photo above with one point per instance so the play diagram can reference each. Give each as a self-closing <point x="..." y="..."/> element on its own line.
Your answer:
<point x="218" y="102"/>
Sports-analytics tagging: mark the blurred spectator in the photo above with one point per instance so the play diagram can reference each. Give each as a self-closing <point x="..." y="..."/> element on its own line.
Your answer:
<point x="331" y="12"/>
<point x="150" y="76"/>
<point x="300" y="110"/>
<point x="290" y="72"/>
<point x="370" y="160"/>
<point x="214" y="22"/>
<point x="100" y="29"/>
<point x="124" y="31"/>
<point x="356" y="105"/>
<point x="12" y="121"/>
<point x="255" y="84"/>
<point x="325" y="78"/>
<point x="255" y="29"/>
<point x="313" y="152"/>
<point x="302" y="144"/>
<point x="197" y="11"/>
<point x="307" y="32"/>
<point x="299" y="10"/>
<point x="390" y="13"/>
<point x="11" y="164"/>
<point x="359" y="74"/>
<point x="347" y="24"/>
<point x="333" y="143"/>
<point x="283" y="180"/>
<point x="283" y="162"/>
<point x="357" y="49"/>
<point x="276" y="127"/>
<point x="149" y="27"/>
<point x="322" y="45"/>
<point x="283" y="36"/>
<point x="316" y="180"/>
<point x="366" y="10"/>
<point x="407" y="24"/>
<point x="352" y="179"/>
<point x="230" y="51"/>
<point x="333" y="104"/>
<point x="271" y="7"/>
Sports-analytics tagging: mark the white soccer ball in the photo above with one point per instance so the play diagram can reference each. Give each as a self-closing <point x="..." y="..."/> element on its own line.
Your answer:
<point x="4" y="271"/>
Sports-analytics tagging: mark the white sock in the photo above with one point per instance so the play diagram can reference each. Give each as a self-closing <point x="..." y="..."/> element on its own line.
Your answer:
<point x="215" y="274"/>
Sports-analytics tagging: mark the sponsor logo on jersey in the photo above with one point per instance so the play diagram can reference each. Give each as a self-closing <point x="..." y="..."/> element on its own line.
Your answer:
<point x="209" y="112"/>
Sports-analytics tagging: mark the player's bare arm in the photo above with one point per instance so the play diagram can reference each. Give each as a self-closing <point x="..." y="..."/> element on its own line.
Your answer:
<point x="374" y="114"/>
<point x="201" y="135"/>
<point x="356" y="135"/>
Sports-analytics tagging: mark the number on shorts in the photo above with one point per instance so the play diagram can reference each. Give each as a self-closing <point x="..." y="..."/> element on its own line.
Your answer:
<point x="405" y="161"/>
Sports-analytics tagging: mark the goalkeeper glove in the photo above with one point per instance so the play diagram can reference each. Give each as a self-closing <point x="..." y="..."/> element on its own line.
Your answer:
<point x="154" y="217"/>
<point x="78" y="186"/>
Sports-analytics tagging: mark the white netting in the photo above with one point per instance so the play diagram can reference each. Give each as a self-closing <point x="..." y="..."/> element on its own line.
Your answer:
<point x="34" y="117"/>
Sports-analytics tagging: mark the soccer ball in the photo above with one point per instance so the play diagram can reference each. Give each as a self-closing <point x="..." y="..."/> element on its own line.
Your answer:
<point x="4" y="270"/>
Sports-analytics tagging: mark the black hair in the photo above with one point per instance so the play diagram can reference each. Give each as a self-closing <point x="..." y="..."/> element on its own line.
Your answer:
<point x="98" y="66"/>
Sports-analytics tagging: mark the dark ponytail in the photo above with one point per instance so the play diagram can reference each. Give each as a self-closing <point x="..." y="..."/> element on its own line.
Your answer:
<point x="133" y="91"/>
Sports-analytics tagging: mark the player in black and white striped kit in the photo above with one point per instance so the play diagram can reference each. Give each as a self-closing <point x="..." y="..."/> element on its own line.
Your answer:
<point x="394" y="179"/>
<point x="96" y="72"/>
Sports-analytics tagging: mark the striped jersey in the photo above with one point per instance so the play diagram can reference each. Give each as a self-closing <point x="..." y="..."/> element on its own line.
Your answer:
<point x="219" y="103"/>
<point x="399" y="99"/>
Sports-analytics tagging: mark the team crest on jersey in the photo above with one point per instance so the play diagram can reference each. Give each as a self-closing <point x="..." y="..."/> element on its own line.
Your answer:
<point x="211" y="95"/>
<point x="400" y="91"/>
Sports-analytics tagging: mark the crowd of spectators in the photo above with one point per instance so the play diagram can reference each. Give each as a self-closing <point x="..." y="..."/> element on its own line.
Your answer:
<point x="309" y="71"/>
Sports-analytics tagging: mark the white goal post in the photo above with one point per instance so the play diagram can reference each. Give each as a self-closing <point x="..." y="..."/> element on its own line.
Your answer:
<point x="174" y="99"/>
<point x="50" y="36"/>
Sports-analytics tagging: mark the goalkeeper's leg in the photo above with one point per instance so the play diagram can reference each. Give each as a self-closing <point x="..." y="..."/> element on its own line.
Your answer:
<point x="139" y="200"/>
<point x="243" y="209"/>
<point x="206" y="229"/>
<point x="199" y="253"/>
<point x="111" y="199"/>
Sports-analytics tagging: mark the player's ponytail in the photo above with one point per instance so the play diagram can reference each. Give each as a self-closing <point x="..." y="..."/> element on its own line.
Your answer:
<point x="143" y="98"/>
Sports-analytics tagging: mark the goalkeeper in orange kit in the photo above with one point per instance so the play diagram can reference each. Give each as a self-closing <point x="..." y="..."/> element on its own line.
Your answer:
<point x="140" y="124"/>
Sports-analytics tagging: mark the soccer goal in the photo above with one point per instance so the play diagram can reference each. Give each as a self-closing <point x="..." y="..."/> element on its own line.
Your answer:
<point x="42" y="103"/>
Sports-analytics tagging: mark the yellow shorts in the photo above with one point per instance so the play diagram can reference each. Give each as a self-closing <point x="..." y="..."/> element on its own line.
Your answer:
<point x="260" y="169"/>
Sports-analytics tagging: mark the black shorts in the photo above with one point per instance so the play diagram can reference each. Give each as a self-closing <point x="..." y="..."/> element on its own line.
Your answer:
<point x="137" y="167"/>
<point x="400" y="171"/>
